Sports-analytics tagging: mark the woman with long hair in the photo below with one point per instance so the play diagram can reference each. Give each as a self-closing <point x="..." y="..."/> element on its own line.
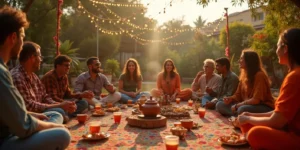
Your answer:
<point x="130" y="81"/>
<point x="253" y="93"/>
<point x="168" y="83"/>
<point x="279" y="129"/>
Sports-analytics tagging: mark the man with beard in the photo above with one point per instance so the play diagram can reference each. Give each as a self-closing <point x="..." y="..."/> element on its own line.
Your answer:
<point x="20" y="129"/>
<point x="93" y="81"/>
<point x="57" y="84"/>
<point x="229" y="85"/>
<point x="208" y="83"/>
<point x="30" y="86"/>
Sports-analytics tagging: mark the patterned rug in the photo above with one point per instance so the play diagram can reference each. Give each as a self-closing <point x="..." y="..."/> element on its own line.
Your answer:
<point x="123" y="136"/>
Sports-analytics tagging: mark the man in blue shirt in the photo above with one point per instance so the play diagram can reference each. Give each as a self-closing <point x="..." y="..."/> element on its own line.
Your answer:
<point x="20" y="129"/>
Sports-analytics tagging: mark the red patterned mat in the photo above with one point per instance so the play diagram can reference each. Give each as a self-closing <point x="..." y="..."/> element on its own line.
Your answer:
<point x="122" y="136"/>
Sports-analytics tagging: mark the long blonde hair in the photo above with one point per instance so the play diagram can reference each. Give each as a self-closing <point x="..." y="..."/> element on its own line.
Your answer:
<point x="137" y="71"/>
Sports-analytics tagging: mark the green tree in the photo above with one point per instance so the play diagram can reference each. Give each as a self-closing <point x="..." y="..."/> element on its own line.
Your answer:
<point x="112" y="67"/>
<point x="240" y="35"/>
<point x="199" y="23"/>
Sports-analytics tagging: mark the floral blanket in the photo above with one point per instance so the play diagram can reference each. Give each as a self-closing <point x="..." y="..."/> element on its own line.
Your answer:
<point x="123" y="136"/>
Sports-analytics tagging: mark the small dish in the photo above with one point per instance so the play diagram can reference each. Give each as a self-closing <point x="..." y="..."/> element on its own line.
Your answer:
<point x="196" y="125"/>
<point x="112" y="109"/>
<point x="234" y="139"/>
<point x="97" y="136"/>
<point x="179" y="131"/>
<point x="123" y="106"/>
<point x="130" y="105"/>
<point x="98" y="114"/>
<point x="136" y="112"/>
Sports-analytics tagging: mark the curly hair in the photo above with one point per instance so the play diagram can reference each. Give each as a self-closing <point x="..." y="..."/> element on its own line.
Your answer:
<point x="172" y="73"/>
<point x="137" y="71"/>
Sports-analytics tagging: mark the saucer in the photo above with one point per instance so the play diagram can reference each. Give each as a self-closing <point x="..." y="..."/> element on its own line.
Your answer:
<point x="97" y="136"/>
<point x="142" y="116"/>
<point x="98" y="115"/>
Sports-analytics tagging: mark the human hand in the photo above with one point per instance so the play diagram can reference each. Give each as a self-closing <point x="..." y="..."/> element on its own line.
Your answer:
<point x="87" y="94"/>
<point x="110" y="88"/>
<point x="66" y="105"/>
<point x="208" y="90"/>
<point x="227" y="100"/>
<point x="233" y="108"/>
<point x="72" y="108"/>
<point x="173" y="97"/>
<point x="39" y="116"/>
<point x="199" y="74"/>
<point x="132" y="94"/>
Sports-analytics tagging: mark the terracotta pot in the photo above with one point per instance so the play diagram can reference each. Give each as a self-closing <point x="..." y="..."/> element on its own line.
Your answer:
<point x="150" y="108"/>
<point x="188" y="124"/>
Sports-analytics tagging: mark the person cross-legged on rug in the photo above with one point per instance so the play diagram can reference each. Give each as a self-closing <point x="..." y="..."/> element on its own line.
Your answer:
<point x="208" y="82"/>
<point x="57" y="85"/>
<point x="279" y="129"/>
<point x="130" y="81"/>
<point x="93" y="81"/>
<point x="31" y="87"/>
<point x="253" y="93"/>
<point x="19" y="128"/>
<point x="228" y="87"/>
<point x="168" y="83"/>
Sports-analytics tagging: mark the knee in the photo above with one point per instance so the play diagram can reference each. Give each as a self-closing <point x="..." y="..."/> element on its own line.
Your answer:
<point x="254" y="136"/>
<point x="63" y="137"/>
<point x="241" y="109"/>
<point x="220" y="105"/>
<point x="83" y="104"/>
<point x="59" y="110"/>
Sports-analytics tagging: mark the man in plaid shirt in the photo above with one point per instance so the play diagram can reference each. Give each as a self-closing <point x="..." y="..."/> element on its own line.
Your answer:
<point x="57" y="84"/>
<point x="31" y="88"/>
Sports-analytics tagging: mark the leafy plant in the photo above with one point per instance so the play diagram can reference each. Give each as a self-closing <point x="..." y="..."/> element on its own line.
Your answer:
<point x="112" y="67"/>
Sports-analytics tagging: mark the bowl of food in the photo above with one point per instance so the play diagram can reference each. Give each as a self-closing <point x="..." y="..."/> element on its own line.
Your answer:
<point x="179" y="131"/>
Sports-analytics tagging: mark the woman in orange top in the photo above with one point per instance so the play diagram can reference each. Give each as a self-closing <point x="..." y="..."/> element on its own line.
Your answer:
<point x="168" y="82"/>
<point x="253" y="93"/>
<point x="279" y="129"/>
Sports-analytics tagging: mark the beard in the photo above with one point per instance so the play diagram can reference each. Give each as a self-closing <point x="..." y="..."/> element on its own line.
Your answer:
<point x="15" y="52"/>
<point x="96" y="70"/>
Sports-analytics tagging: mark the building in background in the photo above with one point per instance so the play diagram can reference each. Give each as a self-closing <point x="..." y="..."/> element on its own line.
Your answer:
<point x="247" y="17"/>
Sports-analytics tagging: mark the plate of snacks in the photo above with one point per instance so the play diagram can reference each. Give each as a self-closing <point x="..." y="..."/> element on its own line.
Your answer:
<point x="123" y="106"/>
<point x="95" y="136"/>
<point x="234" y="139"/>
<point x="98" y="113"/>
<point x="130" y="105"/>
<point x="112" y="109"/>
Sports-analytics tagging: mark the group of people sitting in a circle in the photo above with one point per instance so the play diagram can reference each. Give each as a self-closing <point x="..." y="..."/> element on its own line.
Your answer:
<point x="33" y="109"/>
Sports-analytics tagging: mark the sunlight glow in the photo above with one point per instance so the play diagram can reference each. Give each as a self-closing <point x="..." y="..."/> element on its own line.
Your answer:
<point x="188" y="10"/>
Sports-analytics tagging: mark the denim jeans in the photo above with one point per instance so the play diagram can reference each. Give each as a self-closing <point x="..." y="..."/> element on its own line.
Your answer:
<point x="81" y="106"/>
<point x="225" y="109"/>
<point x="206" y="98"/>
<point x="125" y="98"/>
<point x="54" y="117"/>
<point x="49" y="139"/>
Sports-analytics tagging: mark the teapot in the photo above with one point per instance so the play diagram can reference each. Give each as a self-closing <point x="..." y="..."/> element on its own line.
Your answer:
<point x="150" y="108"/>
